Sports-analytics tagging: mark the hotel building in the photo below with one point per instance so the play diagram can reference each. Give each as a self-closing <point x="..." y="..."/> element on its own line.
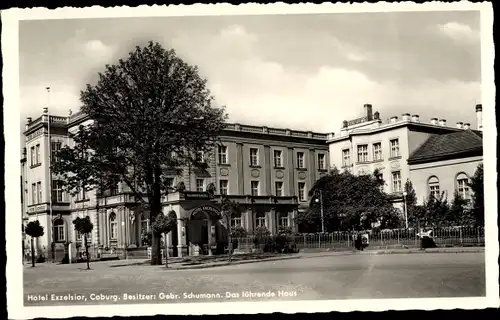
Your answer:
<point x="268" y="171"/>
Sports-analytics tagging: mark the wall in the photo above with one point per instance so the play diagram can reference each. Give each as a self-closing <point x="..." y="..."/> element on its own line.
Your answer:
<point x="446" y="171"/>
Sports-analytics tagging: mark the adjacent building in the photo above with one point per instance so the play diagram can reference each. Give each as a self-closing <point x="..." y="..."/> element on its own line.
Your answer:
<point x="445" y="163"/>
<point x="367" y="144"/>
<point x="267" y="170"/>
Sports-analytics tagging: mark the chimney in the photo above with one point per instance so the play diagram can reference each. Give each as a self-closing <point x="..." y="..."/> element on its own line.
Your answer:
<point x="442" y="122"/>
<point x="376" y="115"/>
<point x="368" y="112"/>
<point x="434" y="121"/>
<point x="393" y="119"/>
<point x="460" y="125"/>
<point x="466" y="126"/>
<point x="479" y="116"/>
<point x="344" y="124"/>
<point x="406" y="117"/>
<point x="415" y="118"/>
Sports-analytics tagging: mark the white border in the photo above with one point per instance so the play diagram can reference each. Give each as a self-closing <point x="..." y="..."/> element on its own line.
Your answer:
<point x="10" y="47"/>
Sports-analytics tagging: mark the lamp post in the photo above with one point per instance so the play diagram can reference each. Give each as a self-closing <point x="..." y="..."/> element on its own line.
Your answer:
<point x="405" y="208"/>
<point x="320" y="200"/>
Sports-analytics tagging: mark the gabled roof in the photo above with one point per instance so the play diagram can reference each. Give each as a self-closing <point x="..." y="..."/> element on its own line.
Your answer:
<point x="449" y="146"/>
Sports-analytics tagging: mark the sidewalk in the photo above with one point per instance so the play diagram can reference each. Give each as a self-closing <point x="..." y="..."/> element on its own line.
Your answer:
<point x="203" y="262"/>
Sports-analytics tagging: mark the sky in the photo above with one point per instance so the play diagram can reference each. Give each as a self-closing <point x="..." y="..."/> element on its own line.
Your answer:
<point x="304" y="72"/>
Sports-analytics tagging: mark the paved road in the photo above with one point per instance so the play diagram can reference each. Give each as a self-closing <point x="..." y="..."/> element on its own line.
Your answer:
<point x="317" y="277"/>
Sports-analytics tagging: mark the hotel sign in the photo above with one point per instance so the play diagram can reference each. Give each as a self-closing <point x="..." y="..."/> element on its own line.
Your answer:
<point x="196" y="195"/>
<point x="38" y="208"/>
<point x="208" y="209"/>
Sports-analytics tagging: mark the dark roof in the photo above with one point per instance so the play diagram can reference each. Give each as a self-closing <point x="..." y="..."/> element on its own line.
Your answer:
<point x="449" y="146"/>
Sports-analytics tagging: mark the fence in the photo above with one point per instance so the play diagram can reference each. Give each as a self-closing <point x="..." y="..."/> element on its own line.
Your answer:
<point x="443" y="237"/>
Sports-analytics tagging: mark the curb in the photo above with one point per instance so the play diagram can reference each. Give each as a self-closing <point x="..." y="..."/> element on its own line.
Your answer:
<point x="426" y="251"/>
<point x="235" y="263"/>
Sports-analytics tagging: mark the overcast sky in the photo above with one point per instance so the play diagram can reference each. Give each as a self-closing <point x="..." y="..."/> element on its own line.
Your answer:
<point x="306" y="72"/>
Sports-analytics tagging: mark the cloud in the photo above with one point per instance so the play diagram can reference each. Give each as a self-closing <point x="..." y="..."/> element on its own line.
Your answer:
<point x="98" y="50"/>
<point x="458" y="32"/>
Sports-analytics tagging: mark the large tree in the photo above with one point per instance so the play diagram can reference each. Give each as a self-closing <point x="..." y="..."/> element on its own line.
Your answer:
<point x="477" y="185"/>
<point x="349" y="201"/>
<point x="229" y="208"/>
<point x="152" y="113"/>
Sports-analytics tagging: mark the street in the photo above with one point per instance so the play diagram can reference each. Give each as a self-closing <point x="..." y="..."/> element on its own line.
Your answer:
<point x="319" y="277"/>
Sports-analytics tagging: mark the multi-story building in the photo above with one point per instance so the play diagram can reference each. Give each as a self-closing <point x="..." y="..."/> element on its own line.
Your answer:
<point x="367" y="144"/>
<point x="267" y="170"/>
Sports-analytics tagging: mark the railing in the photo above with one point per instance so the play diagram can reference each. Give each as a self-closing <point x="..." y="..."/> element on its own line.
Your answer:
<point x="443" y="237"/>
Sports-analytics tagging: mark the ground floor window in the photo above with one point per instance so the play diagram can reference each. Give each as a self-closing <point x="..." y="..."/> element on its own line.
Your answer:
<point x="59" y="232"/>
<point x="260" y="220"/>
<point x="113" y="226"/>
<point x="235" y="220"/>
<point x="283" y="220"/>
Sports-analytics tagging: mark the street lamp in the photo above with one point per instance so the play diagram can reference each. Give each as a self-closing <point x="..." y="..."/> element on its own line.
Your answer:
<point x="405" y="208"/>
<point x="320" y="200"/>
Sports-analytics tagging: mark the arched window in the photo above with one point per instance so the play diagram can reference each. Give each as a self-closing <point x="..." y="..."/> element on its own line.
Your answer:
<point x="260" y="220"/>
<point x="236" y="219"/>
<point x="283" y="220"/>
<point x="59" y="230"/>
<point x="113" y="226"/>
<point x="463" y="188"/>
<point x="434" y="187"/>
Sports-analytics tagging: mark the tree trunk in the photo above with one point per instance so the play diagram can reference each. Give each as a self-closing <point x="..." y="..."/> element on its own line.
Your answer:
<point x="155" y="209"/>
<point x="86" y="251"/>
<point x="32" y="253"/>
<point x="166" y="251"/>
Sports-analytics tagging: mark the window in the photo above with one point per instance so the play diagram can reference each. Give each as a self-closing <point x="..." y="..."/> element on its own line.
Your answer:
<point x="78" y="235"/>
<point x="236" y="220"/>
<point x="223" y="189"/>
<point x="463" y="186"/>
<point x="254" y="157"/>
<point x="279" y="188"/>
<point x="395" y="148"/>
<point x="260" y="220"/>
<point x="57" y="191"/>
<point x="144" y="224"/>
<point x="278" y="158"/>
<point x="113" y="191"/>
<point x="396" y="181"/>
<point x="300" y="160"/>
<point x="39" y="192"/>
<point x="302" y="191"/>
<point x="346" y="158"/>
<point x="377" y="151"/>
<point x="113" y="226"/>
<point x="59" y="233"/>
<point x="254" y="188"/>
<point x="200" y="185"/>
<point x="33" y="156"/>
<point x="363" y="153"/>
<point x="38" y="158"/>
<point x="222" y="155"/>
<point x="434" y="187"/>
<point x="321" y="161"/>
<point x="283" y="220"/>
<point x="55" y="148"/>
<point x="81" y="195"/>
<point x="33" y="194"/>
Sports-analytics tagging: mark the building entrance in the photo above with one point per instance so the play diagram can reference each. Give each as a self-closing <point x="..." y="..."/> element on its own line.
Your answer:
<point x="201" y="231"/>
